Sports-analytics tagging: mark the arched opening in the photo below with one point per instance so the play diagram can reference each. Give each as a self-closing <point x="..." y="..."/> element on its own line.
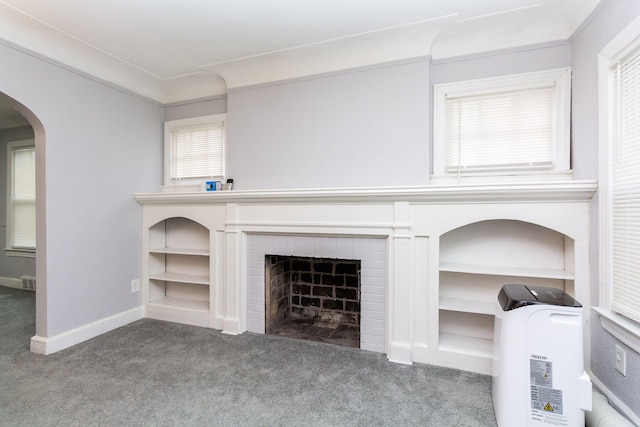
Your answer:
<point x="25" y="118"/>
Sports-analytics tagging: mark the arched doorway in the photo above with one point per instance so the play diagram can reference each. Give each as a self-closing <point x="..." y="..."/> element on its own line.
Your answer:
<point x="38" y="133"/>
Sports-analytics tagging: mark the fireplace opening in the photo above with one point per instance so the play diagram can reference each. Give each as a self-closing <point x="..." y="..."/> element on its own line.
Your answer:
<point x="313" y="298"/>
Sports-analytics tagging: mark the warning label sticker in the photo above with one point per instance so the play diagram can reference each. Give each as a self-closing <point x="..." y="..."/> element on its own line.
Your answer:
<point x="541" y="373"/>
<point x="546" y="399"/>
<point x="546" y="402"/>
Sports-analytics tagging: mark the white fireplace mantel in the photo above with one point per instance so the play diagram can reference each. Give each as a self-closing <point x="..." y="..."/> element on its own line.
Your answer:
<point x="479" y="193"/>
<point x="430" y="318"/>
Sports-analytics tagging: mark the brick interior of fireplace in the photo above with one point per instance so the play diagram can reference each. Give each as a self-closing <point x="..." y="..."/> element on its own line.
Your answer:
<point x="313" y="298"/>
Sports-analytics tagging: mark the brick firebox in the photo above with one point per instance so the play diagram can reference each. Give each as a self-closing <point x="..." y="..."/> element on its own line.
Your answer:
<point x="313" y="298"/>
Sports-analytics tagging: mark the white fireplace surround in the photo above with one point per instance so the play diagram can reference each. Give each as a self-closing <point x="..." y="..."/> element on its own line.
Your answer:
<point x="432" y="262"/>
<point x="372" y="252"/>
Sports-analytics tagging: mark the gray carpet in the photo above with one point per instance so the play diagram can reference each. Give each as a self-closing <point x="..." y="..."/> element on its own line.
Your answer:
<point x="154" y="373"/>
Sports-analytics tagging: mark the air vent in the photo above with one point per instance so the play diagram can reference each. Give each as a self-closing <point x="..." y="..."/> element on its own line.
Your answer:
<point x="28" y="282"/>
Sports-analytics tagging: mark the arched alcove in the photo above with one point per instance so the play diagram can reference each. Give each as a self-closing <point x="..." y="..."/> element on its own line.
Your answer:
<point x="514" y="243"/>
<point x="179" y="272"/>
<point x="476" y="260"/>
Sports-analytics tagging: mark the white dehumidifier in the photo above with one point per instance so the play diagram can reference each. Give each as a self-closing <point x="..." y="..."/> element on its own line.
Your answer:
<point x="538" y="368"/>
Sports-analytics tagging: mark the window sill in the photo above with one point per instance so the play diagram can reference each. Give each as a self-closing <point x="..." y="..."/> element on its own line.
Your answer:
<point x="22" y="253"/>
<point x="182" y="188"/>
<point x="494" y="178"/>
<point x="624" y="329"/>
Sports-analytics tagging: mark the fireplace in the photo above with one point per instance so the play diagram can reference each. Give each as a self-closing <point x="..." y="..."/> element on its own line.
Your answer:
<point x="313" y="298"/>
<point x="372" y="253"/>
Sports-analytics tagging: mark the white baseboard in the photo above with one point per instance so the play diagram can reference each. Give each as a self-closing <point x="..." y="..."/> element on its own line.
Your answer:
<point x="11" y="282"/>
<point x="421" y="353"/>
<point x="42" y="345"/>
<point x="614" y="401"/>
<point x="231" y="326"/>
<point x="400" y="352"/>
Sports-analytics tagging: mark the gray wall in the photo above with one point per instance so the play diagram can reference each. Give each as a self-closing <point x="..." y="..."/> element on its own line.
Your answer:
<point x="614" y="16"/>
<point x="100" y="146"/>
<point x="512" y="61"/>
<point x="363" y="127"/>
<point x="11" y="267"/>
<point x="358" y="128"/>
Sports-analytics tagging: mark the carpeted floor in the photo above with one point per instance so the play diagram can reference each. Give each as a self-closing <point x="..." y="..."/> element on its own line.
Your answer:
<point x="154" y="373"/>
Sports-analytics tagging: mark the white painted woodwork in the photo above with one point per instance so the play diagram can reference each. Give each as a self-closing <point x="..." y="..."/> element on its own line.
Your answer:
<point x="447" y="252"/>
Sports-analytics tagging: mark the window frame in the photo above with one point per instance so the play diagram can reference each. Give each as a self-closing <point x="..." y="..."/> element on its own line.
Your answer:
<point x="190" y="184"/>
<point x="10" y="250"/>
<point x="620" y="326"/>
<point x="559" y="79"/>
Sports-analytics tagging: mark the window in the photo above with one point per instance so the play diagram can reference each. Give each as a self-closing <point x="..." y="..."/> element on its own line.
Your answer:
<point x="511" y="125"/>
<point x="619" y="91"/>
<point x="194" y="151"/>
<point x="625" y="182"/>
<point x="21" y="198"/>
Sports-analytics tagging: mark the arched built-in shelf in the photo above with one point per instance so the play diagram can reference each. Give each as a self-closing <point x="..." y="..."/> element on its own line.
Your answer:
<point x="476" y="260"/>
<point x="179" y="272"/>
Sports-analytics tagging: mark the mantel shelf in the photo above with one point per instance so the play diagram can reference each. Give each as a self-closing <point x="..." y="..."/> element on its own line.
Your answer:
<point x="506" y="271"/>
<point x="560" y="191"/>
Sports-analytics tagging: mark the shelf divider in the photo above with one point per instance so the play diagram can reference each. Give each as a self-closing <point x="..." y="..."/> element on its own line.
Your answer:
<point x="468" y="345"/>
<point x="167" y="276"/>
<point x="505" y="271"/>
<point x="467" y="306"/>
<point x="180" y="251"/>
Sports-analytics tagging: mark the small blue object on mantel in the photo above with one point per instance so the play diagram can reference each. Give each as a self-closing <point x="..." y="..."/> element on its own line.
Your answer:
<point x="210" y="186"/>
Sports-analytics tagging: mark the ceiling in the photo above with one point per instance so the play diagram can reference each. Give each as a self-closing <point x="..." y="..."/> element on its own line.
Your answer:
<point x="171" y="51"/>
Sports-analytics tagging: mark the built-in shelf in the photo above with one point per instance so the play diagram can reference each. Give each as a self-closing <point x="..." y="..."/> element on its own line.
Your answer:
<point x="506" y="271"/>
<point x="179" y="272"/>
<point x="476" y="260"/>
<point x="180" y="251"/>
<point x="467" y="306"/>
<point x="467" y="345"/>
<point x="167" y="276"/>
<point x="181" y="303"/>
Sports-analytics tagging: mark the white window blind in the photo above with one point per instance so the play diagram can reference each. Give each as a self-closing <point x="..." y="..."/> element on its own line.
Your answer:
<point x="197" y="152"/>
<point x="625" y="192"/>
<point x="511" y="130"/>
<point x="23" y="198"/>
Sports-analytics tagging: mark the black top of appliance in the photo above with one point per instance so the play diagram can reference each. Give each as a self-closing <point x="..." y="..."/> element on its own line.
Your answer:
<point x="516" y="296"/>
